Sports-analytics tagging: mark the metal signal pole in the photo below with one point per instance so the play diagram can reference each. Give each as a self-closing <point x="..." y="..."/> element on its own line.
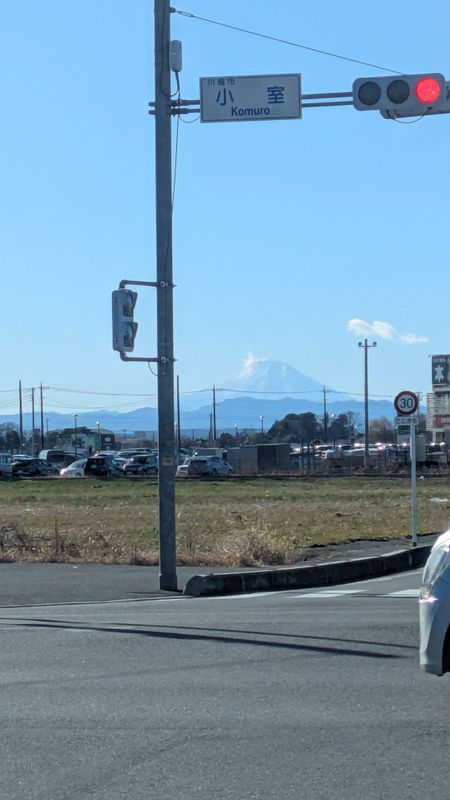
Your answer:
<point x="366" y="346"/>
<point x="166" y="421"/>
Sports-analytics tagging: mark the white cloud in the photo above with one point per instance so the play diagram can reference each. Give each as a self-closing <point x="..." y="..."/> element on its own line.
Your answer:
<point x="358" y="326"/>
<point x="362" y="328"/>
<point x="383" y="330"/>
<point x="411" y="338"/>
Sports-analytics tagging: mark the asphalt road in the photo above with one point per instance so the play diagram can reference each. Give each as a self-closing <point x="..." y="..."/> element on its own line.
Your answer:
<point x="312" y="694"/>
<point x="23" y="583"/>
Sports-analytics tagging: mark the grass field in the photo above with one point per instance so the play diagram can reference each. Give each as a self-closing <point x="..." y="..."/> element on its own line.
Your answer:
<point x="229" y="523"/>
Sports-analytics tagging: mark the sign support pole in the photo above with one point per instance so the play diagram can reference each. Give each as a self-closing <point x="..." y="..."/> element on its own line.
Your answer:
<point x="406" y="404"/>
<point x="166" y="421"/>
<point x="412" y="454"/>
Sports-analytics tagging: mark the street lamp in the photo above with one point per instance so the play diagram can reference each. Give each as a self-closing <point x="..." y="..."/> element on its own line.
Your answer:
<point x="366" y="346"/>
<point x="262" y="425"/>
<point x="75" y="417"/>
<point x="98" y="434"/>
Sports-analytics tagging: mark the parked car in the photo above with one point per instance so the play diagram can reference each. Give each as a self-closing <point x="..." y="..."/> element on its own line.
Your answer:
<point x="322" y="450"/>
<point x="74" y="470"/>
<point x="102" y="466"/>
<point x="53" y="456"/>
<point x="119" y="461"/>
<point x="141" y="465"/>
<point x="204" y="465"/>
<point x="33" y="467"/>
<point x="62" y="458"/>
<point x="5" y="465"/>
<point x="434" y="608"/>
<point x="71" y="456"/>
<point x="137" y="451"/>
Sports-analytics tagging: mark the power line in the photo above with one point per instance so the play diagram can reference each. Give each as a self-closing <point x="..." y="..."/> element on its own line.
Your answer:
<point x="289" y="393"/>
<point x="105" y="394"/>
<point x="284" y="41"/>
<point x="129" y="406"/>
<point x="114" y="394"/>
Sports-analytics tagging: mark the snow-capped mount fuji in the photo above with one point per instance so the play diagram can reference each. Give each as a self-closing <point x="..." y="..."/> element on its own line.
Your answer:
<point x="261" y="376"/>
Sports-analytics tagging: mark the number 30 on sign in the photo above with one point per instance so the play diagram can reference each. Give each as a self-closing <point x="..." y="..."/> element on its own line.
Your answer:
<point x="406" y="403"/>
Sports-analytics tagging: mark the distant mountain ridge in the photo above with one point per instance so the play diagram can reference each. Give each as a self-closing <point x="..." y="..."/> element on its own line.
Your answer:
<point x="241" y="412"/>
<point x="261" y="393"/>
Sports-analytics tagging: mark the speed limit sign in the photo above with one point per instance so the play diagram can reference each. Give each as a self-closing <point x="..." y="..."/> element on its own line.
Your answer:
<point x="406" y="403"/>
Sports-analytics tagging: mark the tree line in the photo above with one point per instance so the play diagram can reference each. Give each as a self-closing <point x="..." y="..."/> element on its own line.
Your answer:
<point x="306" y="428"/>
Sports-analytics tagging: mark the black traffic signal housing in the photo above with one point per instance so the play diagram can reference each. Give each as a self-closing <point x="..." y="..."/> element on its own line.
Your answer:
<point x="123" y="325"/>
<point x="402" y="95"/>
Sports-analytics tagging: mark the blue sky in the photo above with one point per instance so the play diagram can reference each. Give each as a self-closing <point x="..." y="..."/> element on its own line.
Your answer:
<point x="284" y="232"/>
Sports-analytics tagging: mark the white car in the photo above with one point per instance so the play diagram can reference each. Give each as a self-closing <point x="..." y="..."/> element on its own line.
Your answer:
<point x="74" y="470"/>
<point x="435" y="609"/>
<point x="204" y="465"/>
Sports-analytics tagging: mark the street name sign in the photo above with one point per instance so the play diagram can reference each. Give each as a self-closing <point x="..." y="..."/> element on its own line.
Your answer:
<point x="250" y="98"/>
<point x="406" y="403"/>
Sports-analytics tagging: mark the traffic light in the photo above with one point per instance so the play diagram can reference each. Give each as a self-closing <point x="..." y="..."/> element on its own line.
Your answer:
<point x="124" y="327"/>
<point x="402" y="95"/>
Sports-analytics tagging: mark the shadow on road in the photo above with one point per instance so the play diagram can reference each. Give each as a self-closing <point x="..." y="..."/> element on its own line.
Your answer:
<point x="206" y="635"/>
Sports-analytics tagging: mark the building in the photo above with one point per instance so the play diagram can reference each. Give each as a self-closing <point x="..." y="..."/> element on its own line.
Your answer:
<point x="85" y="439"/>
<point x="256" y="458"/>
<point x="438" y="401"/>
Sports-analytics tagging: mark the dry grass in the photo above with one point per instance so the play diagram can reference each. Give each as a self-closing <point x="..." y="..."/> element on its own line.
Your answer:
<point x="229" y="523"/>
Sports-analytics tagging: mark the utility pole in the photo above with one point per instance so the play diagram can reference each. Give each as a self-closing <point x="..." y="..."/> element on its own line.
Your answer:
<point x="325" y="416"/>
<point x="20" y="417"/>
<point x="214" y="426"/>
<point x="366" y="346"/>
<point x="210" y="434"/>
<point x="32" y="421"/>
<point x="42" y="417"/>
<point x="75" y="417"/>
<point x="166" y="422"/>
<point x="178" y="415"/>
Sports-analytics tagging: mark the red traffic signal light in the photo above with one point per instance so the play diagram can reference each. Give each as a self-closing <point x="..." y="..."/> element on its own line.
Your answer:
<point x="403" y="95"/>
<point x="428" y="90"/>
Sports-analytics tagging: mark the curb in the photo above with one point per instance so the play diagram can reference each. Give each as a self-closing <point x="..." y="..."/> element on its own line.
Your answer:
<point x="306" y="577"/>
